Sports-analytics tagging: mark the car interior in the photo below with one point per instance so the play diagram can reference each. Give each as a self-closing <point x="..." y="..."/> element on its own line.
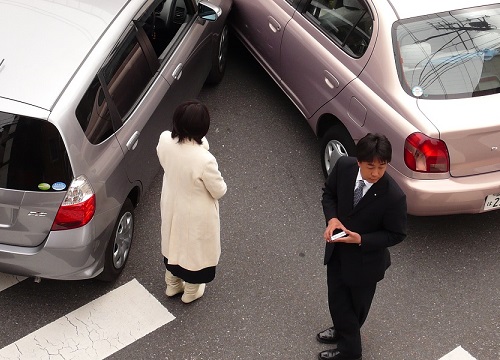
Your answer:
<point x="164" y="23"/>
<point x="128" y="71"/>
<point x="348" y="21"/>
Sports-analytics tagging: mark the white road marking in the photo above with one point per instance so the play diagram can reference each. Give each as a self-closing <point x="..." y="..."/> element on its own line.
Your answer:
<point x="97" y="329"/>
<point x="6" y="280"/>
<point x="458" y="354"/>
<point x="105" y="326"/>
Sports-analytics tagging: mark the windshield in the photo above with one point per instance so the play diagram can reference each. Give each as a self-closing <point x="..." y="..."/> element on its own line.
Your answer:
<point x="449" y="55"/>
<point x="32" y="155"/>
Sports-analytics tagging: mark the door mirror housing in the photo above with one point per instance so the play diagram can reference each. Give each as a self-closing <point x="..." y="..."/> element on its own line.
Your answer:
<point x="208" y="11"/>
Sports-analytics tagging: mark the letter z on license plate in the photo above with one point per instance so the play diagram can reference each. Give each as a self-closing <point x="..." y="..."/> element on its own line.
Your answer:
<point x="492" y="202"/>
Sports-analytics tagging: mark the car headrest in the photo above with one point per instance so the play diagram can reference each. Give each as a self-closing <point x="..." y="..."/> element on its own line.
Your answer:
<point x="414" y="54"/>
<point x="353" y="4"/>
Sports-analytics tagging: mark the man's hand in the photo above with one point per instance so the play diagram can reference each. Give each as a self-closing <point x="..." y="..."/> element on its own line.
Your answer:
<point x="351" y="238"/>
<point x="333" y="224"/>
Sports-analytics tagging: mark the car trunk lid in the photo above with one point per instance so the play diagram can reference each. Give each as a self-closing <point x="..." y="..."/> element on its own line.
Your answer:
<point x="471" y="130"/>
<point x="35" y="173"/>
<point x="26" y="217"/>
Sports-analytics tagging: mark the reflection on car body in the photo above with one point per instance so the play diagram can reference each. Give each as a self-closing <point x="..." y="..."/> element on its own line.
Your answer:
<point x="425" y="74"/>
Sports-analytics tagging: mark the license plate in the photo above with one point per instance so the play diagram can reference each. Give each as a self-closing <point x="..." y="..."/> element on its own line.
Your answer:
<point x="492" y="202"/>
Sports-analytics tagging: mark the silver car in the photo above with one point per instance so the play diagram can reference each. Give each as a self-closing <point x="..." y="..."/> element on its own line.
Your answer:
<point x="426" y="74"/>
<point x="86" y="87"/>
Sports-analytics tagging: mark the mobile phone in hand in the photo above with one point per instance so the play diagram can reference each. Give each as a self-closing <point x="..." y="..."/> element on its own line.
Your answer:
<point x="338" y="235"/>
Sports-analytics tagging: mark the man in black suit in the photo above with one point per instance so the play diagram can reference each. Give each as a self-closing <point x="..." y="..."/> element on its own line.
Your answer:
<point x="362" y="200"/>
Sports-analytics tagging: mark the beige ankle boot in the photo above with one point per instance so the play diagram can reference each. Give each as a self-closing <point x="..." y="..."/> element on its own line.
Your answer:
<point x="175" y="285"/>
<point x="192" y="292"/>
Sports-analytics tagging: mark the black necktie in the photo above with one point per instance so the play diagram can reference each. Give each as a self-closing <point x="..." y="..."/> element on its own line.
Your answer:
<point x="358" y="192"/>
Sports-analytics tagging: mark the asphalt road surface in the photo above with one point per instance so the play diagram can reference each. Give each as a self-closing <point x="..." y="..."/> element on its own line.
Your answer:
<point x="269" y="300"/>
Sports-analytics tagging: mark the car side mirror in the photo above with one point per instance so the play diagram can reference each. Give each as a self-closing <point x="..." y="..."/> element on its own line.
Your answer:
<point x="208" y="11"/>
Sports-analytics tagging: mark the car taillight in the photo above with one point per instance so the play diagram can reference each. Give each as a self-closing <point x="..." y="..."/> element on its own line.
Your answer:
<point x="425" y="154"/>
<point x="77" y="208"/>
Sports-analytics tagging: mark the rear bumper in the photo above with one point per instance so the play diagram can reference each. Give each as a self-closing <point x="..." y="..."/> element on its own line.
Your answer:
<point x="464" y="195"/>
<point x="65" y="255"/>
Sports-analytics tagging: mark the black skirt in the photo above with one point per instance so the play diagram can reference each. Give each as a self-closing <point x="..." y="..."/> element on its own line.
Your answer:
<point x="202" y="276"/>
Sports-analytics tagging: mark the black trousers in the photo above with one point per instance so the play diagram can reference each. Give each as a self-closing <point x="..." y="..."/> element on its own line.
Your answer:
<point x="349" y="306"/>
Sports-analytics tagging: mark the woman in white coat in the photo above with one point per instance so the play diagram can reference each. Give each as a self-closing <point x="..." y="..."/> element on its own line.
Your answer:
<point x="192" y="185"/>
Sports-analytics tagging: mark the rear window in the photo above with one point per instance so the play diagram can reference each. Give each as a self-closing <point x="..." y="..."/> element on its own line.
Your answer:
<point x="33" y="156"/>
<point x="449" y="55"/>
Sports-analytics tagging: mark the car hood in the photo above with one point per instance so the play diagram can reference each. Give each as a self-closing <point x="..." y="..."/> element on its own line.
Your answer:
<point x="471" y="130"/>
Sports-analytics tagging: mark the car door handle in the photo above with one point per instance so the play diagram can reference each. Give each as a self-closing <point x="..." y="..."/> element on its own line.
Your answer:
<point x="132" y="142"/>
<point x="273" y="24"/>
<point x="330" y="80"/>
<point x="177" y="72"/>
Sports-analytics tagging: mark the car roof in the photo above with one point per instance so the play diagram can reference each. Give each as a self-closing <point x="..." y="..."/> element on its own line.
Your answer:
<point x="44" y="43"/>
<point x="407" y="8"/>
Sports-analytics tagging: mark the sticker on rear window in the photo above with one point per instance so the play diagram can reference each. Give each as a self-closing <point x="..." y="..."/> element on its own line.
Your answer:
<point x="417" y="91"/>
<point x="44" y="186"/>
<point x="58" y="186"/>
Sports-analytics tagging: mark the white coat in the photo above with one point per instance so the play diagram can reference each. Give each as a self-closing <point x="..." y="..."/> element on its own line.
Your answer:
<point x="192" y="185"/>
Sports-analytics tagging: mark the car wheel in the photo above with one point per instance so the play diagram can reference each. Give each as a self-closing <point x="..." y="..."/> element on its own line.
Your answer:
<point x="336" y="142"/>
<point x="219" y="58"/>
<point x="119" y="244"/>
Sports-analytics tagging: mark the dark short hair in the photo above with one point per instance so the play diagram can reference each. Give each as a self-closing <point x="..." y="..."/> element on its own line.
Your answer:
<point x="191" y="121"/>
<point x="374" y="147"/>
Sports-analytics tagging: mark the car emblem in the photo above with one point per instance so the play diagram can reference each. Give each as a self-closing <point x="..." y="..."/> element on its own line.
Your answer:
<point x="494" y="148"/>
<point x="37" y="213"/>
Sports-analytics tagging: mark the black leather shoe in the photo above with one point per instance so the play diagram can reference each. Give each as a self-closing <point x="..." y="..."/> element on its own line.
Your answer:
<point x="334" y="354"/>
<point x="328" y="336"/>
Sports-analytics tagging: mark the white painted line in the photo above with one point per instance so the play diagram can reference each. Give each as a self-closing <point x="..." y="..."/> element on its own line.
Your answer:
<point x="458" y="354"/>
<point x="97" y="329"/>
<point x="6" y="280"/>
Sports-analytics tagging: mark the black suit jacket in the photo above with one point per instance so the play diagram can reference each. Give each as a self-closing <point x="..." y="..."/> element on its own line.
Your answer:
<point x="379" y="217"/>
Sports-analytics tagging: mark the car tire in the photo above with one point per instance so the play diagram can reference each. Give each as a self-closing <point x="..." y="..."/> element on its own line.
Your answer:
<point x="118" y="248"/>
<point x="336" y="142"/>
<point x="219" y="58"/>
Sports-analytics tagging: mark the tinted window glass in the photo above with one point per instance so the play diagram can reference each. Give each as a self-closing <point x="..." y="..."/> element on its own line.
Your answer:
<point x="450" y="55"/>
<point x="348" y="22"/>
<point x="32" y="154"/>
<point x="163" y="22"/>
<point x="127" y="73"/>
<point x="93" y="114"/>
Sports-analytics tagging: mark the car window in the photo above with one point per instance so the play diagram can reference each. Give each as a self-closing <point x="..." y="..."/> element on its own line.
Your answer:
<point x="128" y="70"/>
<point x="33" y="156"/>
<point x="347" y="22"/>
<point x="93" y="114"/>
<point x="449" y="55"/>
<point x="126" y="74"/>
<point x="162" y="23"/>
